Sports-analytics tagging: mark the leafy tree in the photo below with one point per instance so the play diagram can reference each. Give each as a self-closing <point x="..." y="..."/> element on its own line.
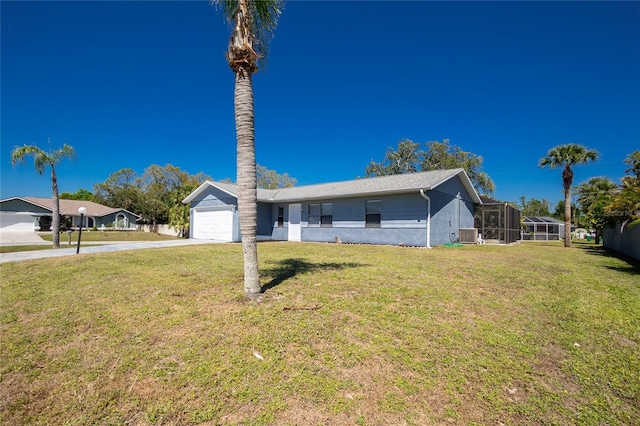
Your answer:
<point x="42" y="159"/>
<point x="567" y="156"/>
<point x="534" y="207"/>
<point x="406" y="159"/>
<point x="594" y="196"/>
<point x="120" y="190"/>
<point x="80" y="194"/>
<point x="152" y="195"/>
<point x="625" y="203"/>
<point x="410" y="158"/>
<point x="442" y="155"/>
<point x="270" y="179"/>
<point x="158" y="184"/>
<point x="633" y="160"/>
<point x="179" y="213"/>
<point x="253" y="23"/>
<point x="576" y="212"/>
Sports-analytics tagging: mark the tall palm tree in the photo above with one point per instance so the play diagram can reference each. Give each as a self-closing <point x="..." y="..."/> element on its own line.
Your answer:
<point x="253" y="23"/>
<point x="567" y="156"/>
<point x="41" y="160"/>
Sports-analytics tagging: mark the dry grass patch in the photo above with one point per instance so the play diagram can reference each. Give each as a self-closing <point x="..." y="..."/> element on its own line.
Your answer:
<point x="343" y="335"/>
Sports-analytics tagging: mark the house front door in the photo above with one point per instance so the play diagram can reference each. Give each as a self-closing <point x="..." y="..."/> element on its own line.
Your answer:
<point x="295" y="214"/>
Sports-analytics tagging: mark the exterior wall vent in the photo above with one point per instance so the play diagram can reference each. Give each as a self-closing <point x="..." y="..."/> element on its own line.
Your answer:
<point x="469" y="235"/>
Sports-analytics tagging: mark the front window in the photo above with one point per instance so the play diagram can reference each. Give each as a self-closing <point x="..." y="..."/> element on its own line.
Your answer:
<point x="280" y="216"/>
<point x="321" y="215"/>
<point x="372" y="214"/>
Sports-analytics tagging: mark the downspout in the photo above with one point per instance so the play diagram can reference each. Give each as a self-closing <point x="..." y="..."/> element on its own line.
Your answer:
<point x="428" y="217"/>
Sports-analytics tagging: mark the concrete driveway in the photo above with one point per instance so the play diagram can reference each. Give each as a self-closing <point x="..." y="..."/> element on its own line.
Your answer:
<point x="103" y="248"/>
<point x="8" y="238"/>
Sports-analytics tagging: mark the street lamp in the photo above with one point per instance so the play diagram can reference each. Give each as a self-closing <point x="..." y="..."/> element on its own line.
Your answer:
<point x="82" y="211"/>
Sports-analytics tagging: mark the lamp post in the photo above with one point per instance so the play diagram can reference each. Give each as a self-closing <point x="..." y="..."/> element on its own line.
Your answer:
<point x="82" y="211"/>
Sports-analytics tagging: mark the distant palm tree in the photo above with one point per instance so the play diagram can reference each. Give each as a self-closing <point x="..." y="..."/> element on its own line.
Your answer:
<point x="41" y="160"/>
<point x="566" y="156"/>
<point x="253" y="23"/>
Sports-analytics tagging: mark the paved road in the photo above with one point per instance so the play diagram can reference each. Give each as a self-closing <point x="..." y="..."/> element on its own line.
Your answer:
<point x="110" y="247"/>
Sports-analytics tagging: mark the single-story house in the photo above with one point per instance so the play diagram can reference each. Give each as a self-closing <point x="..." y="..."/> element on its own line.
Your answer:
<point x="542" y="228"/>
<point x="418" y="209"/>
<point x="34" y="214"/>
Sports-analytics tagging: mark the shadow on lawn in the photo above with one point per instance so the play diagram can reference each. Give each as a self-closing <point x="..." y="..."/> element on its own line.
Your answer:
<point x="289" y="268"/>
<point x="632" y="266"/>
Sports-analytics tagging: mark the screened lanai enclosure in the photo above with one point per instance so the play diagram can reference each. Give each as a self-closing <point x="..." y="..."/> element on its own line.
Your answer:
<point x="536" y="228"/>
<point x="497" y="222"/>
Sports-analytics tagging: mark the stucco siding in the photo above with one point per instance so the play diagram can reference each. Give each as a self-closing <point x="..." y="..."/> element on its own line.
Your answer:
<point x="403" y="216"/>
<point x="265" y="221"/>
<point x="403" y="221"/>
<point x="406" y="236"/>
<point x="448" y="212"/>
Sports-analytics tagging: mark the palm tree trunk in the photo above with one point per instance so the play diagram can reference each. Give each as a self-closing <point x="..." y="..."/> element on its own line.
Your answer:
<point x="567" y="178"/>
<point x="247" y="192"/>
<point x="55" y="220"/>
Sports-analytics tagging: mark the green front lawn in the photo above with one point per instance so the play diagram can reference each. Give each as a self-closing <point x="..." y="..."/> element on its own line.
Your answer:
<point x="107" y="236"/>
<point x="345" y="334"/>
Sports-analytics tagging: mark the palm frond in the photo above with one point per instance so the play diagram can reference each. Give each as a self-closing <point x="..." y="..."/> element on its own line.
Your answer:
<point x="257" y="29"/>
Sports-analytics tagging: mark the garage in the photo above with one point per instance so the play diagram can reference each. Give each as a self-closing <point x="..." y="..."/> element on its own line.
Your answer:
<point x="15" y="222"/>
<point x="212" y="224"/>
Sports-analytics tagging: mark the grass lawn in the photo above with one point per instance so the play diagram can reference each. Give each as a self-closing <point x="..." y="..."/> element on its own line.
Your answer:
<point x="89" y="237"/>
<point x="344" y="335"/>
<point x="107" y="236"/>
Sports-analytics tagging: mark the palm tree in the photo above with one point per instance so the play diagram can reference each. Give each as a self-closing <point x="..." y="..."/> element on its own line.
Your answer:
<point x="566" y="156"/>
<point x="253" y="23"/>
<point x="594" y="195"/>
<point x="41" y="160"/>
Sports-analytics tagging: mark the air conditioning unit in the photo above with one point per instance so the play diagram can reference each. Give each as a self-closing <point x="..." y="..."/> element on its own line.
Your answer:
<point x="469" y="235"/>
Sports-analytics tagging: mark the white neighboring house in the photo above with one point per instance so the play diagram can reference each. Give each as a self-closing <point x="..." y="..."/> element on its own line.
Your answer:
<point x="30" y="214"/>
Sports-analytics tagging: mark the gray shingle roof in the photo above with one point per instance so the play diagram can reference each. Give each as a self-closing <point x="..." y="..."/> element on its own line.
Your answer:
<point x="395" y="184"/>
<point x="70" y="207"/>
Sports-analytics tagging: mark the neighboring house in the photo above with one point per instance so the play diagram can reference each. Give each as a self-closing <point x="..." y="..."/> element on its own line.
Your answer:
<point x="497" y="222"/>
<point x="418" y="209"/>
<point x="542" y="228"/>
<point x="34" y="214"/>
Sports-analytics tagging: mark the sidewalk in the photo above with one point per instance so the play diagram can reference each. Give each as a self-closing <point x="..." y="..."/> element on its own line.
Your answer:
<point x="102" y="248"/>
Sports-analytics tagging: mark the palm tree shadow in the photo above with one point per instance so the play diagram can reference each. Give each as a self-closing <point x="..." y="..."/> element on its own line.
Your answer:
<point x="289" y="268"/>
<point x="632" y="266"/>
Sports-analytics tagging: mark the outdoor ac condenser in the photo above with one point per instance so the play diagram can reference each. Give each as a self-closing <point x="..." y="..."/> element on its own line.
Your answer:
<point x="469" y="235"/>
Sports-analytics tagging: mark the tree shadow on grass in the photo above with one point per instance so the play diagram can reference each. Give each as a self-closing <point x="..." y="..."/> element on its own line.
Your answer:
<point x="632" y="266"/>
<point x="289" y="268"/>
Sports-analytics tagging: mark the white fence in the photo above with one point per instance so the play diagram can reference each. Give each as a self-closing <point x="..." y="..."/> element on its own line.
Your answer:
<point x="625" y="241"/>
<point x="159" y="229"/>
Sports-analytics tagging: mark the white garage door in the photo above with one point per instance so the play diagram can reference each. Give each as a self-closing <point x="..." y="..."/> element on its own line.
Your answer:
<point x="213" y="225"/>
<point x="12" y="222"/>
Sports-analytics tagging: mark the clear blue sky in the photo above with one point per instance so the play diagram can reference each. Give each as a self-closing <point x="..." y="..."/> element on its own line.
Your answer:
<point x="130" y="84"/>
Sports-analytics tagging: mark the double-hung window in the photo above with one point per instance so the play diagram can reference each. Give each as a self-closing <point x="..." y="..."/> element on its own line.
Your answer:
<point x="280" y="216"/>
<point x="321" y="215"/>
<point x="372" y="214"/>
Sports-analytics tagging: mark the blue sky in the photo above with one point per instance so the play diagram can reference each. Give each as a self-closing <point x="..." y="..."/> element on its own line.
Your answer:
<point x="130" y="84"/>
